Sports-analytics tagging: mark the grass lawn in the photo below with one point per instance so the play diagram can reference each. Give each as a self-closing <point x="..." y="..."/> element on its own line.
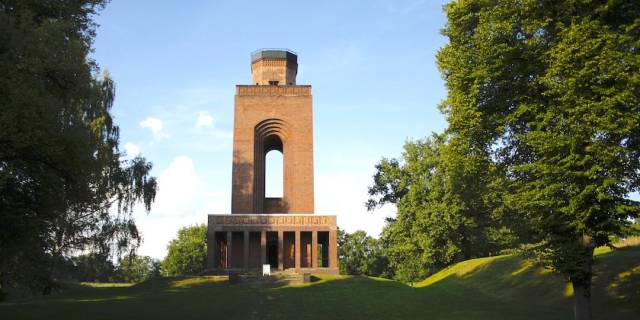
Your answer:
<point x="504" y="287"/>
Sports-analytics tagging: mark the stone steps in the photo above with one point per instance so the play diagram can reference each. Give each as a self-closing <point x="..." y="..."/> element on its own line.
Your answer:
<point x="276" y="278"/>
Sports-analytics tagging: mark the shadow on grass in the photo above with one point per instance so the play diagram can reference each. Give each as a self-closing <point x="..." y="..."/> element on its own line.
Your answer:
<point x="617" y="280"/>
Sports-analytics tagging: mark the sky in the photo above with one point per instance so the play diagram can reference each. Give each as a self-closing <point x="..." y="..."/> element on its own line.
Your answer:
<point x="373" y="73"/>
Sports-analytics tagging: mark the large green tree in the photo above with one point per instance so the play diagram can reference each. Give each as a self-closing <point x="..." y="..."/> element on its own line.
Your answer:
<point x="64" y="186"/>
<point x="187" y="253"/>
<point x="448" y="206"/>
<point x="551" y="91"/>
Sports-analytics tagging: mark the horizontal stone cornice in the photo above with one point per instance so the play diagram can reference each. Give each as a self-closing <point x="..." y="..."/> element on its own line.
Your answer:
<point x="272" y="219"/>
<point x="251" y="90"/>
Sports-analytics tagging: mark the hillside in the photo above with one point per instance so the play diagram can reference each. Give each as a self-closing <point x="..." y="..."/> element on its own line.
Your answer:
<point x="504" y="287"/>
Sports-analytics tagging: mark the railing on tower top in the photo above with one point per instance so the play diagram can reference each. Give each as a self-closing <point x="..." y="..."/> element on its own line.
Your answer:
<point x="274" y="53"/>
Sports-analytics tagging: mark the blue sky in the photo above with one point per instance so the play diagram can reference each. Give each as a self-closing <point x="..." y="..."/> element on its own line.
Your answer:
<point x="175" y="64"/>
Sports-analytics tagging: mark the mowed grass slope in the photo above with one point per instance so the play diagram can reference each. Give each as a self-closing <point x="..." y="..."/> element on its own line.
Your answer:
<point x="504" y="287"/>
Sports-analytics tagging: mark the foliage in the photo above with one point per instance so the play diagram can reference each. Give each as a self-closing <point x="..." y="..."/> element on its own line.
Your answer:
<point x="94" y="267"/>
<point x="448" y="208"/>
<point x="64" y="186"/>
<point x="133" y="268"/>
<point x="635" y="229"/>
<point x="187" y="253"/>
<point x="361" y="254"/>
<point x="550" y="91"/>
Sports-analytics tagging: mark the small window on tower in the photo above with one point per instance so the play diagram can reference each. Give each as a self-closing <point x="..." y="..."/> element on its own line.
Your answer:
<point x="273" y="82"/>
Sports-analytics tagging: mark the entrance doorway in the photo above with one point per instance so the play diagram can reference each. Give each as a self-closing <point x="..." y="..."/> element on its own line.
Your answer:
<point x="220" y="256"/>
<point x="323" y="249"/>
<point x="289" y="258"/>
<point x="305" y="249"/>
<point x="272" y="249"/>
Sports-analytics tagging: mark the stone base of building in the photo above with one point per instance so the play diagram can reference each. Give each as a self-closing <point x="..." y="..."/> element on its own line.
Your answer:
<point x="274" y="271"/>
<point x="301" y="243"/>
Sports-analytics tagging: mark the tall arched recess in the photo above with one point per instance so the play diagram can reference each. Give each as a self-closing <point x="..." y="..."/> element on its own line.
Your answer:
<point x="270" y="134"/>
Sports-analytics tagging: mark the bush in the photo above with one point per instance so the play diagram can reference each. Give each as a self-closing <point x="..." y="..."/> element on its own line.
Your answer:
<point x="136" y="269"/>
<point x="362" y="254"/>
<point x="93" y="267"/>
<point x="187" y="253"/>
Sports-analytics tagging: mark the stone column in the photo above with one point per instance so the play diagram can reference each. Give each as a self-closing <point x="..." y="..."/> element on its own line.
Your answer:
<point x="314" y="249"/>
<point x="297" y="257"/>
<point x="229" y="249"/>
<point x="245" y="263"/>
<point x="263" y="247"/>
<point x="212" y="250"/>
<point x="333" y="249"/>
<point x="280" y="250"/>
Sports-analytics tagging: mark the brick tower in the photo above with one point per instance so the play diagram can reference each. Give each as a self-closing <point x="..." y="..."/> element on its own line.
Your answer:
<point x="274" y="113"/>
<point x="271" y="116"/>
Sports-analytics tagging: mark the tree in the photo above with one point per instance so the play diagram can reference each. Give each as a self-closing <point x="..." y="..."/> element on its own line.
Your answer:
<point x="448" y="209"/>
<point x="550" y="90"/>
<point x="361" y="254"/>
<point x="187" y="253"/>
<point x="93" y="267"/>
<point x="136" y="269"/>
<point x="64" y="186"/>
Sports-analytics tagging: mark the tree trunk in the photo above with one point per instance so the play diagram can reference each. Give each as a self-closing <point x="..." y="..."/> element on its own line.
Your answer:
<point x="581" y="281"/>
<point x="4" y="285"/>
<point x="582" y="300"/>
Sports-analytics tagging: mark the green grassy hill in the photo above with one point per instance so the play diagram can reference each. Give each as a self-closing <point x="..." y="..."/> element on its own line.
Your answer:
<point x="504" y="287"/>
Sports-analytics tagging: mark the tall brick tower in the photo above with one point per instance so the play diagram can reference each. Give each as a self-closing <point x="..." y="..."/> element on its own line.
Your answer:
<point x="274" y="113"/>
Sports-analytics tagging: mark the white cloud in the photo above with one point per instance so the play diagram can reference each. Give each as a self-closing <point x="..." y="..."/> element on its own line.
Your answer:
<point x="204" y="120"/>
<point x="343" y="194"/>
<point x="155" y="125"/>
<point x="173" y="208"/>
<point x="131" y="149"/>
<point x="177" y="188"/>
<point x="156" y="233"/>
<point x="183" y="199"/>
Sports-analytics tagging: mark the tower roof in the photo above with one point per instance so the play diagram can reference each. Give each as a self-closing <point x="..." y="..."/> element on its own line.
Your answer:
<point x="287" y="54"/>
<point x="274" y="67"/>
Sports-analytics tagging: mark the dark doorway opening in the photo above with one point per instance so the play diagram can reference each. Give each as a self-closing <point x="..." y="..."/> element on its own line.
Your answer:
<point x="306" y="252"/>
<point x="323" y="249"/>
<point x="254" y="250"/>
<point x="237" y="250"/>
<point x="220" y="256"/>
<point x="272" y="249"/>
<point x="289" y="256"/>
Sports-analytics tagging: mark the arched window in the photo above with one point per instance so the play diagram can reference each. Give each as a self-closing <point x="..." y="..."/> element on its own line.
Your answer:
<point x="270" y="157"/>
<point x="274" y="175"/>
